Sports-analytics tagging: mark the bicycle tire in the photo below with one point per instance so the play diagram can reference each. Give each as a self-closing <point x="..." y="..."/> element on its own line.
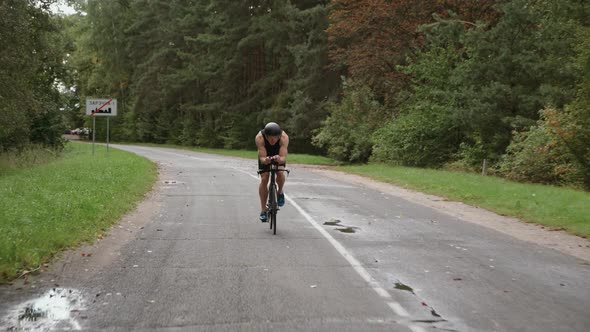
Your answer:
<point x="273" y="221"/>
<point x="272" y="203"/>
<point x="275" y="208"/>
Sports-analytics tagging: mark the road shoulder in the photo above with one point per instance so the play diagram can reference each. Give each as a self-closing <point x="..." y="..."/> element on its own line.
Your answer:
<point x="555" y="239"/>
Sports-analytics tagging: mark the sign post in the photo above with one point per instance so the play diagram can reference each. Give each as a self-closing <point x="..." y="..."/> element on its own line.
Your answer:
<point x="101" y="107"/>
<point x="108" y="135"/>
<point x="93" y="133"/>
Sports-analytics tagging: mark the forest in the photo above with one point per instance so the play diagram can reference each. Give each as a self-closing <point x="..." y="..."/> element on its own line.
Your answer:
<point x="445" y="84"/>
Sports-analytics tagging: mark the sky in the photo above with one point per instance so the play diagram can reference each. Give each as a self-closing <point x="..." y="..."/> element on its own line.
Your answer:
<point x="61" y="7"/>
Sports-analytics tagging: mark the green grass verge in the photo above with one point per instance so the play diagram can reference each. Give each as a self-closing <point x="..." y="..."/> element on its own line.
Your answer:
<point x="556" y="207"/>
<point x="292" y="158"/>
<point x="66" y="201"/>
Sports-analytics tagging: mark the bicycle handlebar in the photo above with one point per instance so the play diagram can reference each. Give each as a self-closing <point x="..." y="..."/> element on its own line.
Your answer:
<point x="275" y="169"/>
<point x="260" y="171"/>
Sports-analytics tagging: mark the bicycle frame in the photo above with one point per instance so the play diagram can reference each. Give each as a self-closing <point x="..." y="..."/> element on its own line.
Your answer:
<point x="272" y="205"/>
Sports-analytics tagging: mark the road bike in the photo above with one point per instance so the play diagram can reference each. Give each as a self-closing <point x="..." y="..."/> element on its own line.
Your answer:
<point x="272" y="206"/>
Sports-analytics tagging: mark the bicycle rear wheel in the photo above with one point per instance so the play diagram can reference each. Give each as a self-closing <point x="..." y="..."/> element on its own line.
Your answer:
<point x="270" y="219"/>
<point x="273" y="221"/>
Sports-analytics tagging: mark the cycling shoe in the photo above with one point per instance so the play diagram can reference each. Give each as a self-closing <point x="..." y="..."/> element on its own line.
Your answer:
<point x="281" y="199"/>
<point x="263" y="217"/>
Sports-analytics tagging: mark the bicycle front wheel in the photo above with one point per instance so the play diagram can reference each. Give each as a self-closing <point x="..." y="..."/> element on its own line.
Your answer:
<point x="272" y="204"/>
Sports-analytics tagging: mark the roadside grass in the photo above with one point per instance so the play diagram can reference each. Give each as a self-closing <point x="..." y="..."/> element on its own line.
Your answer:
<point x="68" y="200"/>
<point x="292" y="158"/>
<point x="555" y="207"/>
<point x="13" y="161"/>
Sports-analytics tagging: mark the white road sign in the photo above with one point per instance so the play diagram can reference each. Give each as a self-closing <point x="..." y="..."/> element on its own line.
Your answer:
<point x="101" y="107"/>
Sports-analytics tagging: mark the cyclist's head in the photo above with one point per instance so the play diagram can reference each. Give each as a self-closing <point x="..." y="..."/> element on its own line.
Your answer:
<point x="272" y="129"/>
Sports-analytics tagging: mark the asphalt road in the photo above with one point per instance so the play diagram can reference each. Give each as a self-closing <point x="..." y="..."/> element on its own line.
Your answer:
<point x="345" y="258"/>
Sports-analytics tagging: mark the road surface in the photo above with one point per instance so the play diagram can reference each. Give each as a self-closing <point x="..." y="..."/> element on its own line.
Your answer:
<point x="345" y="258"/>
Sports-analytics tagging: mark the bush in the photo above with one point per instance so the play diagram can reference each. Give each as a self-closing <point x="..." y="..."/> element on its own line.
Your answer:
<point x="426" y="137"/>
<point x="571" y="130"/>
<point x="469" y="158"/>
<point x="542" y="156"/>
<point x="346" y="133"/>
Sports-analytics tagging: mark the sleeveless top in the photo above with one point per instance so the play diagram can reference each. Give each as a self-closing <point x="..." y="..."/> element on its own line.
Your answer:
<point x="271" y="150"/>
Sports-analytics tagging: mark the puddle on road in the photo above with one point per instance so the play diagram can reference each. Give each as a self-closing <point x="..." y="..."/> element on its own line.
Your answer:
<point x="399" y="285"/>
<point x="332" y="222"/>
<point x="343" y="228"/>
<point x="347" y="230"/>
<point x="430" y="321"/>
<point x="56" y="310"/>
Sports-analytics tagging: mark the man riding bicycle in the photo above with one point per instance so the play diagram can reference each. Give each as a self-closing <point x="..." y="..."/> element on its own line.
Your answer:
<point x="272" y="143"/>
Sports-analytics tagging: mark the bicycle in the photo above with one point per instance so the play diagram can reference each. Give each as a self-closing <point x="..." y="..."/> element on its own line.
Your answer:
<point x="272" y="206"/>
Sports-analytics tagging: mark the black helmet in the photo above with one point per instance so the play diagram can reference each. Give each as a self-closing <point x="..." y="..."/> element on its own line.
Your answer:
<point x="272" y="129"/>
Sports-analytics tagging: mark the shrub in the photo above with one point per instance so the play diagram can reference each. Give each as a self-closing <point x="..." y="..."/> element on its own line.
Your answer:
<point x="346" y="133"/>
<point x="426" y="137"/>
<point x="540" y="155"/>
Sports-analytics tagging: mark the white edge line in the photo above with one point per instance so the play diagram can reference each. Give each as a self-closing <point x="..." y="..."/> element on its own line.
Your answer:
<point x="340" y="248"/>
<point x="398" y="309"/>
<point x="394" y="305"/>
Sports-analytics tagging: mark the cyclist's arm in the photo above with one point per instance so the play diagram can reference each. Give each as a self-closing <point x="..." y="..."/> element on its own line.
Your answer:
<point x="284" y="148"/>
<point x="261" y="149"/>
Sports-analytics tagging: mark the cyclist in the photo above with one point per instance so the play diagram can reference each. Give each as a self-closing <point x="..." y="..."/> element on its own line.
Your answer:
<point x="272" y="143"/>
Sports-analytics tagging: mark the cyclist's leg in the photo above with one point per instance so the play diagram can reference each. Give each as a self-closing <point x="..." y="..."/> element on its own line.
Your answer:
<point x="280" y="180"/>
<point x="263" y="191"/>
<point x="281" y="183"/>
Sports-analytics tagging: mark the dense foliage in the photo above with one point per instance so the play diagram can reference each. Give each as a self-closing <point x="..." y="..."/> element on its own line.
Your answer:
<point x="473" y="88"/>
<point x="434" y="83"/>
<point x="31" y="67"/>
<point x="207" y="73"/>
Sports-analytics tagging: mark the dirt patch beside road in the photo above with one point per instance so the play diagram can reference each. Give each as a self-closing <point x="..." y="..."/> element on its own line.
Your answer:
<point x="555" y="239"/>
